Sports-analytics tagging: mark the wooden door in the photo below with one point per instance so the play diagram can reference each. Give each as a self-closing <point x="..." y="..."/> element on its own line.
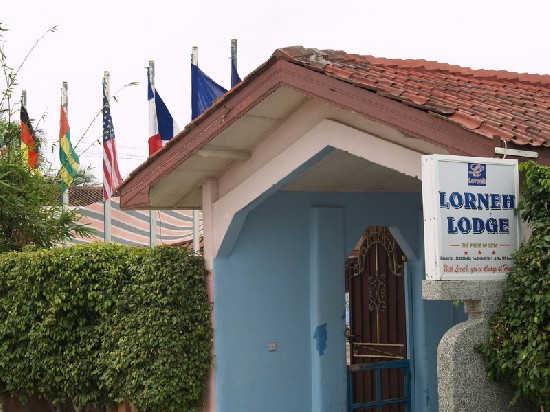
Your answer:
<point x="377" y="331"/>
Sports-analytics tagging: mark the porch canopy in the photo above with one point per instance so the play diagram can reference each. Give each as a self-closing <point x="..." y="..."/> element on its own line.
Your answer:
<point x="411" y="107"/>
<point x="416" y="103"/>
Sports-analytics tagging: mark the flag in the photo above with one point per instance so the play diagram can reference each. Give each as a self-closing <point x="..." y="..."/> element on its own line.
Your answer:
<point x="28" y="140"/>
<point x="235" y="79"/>
<point x="204" y="91"/>
<point x="68" y="157"/>
<point x="162" y="126"/>
<point x="111" y="174"/>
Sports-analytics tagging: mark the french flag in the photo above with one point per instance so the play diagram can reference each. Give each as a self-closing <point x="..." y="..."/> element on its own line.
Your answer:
<point x="162" y="127"/>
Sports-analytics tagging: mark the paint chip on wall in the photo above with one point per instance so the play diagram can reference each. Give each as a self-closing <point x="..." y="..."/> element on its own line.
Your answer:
<point x="321" y="336"/>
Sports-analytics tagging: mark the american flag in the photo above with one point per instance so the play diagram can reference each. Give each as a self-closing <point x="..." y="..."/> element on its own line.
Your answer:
<point x="111" y="174"/>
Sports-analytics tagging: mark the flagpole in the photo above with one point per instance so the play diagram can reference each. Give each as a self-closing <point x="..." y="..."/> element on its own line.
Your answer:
<point x="23" y="102"/>
<point x="196" y="233"/>
<point x="234" y="80"/>
<point x="195" y="56"/>
<point x="65" y="104"/>
<point x="107" y="202"/>
<point x="152" y="213"/>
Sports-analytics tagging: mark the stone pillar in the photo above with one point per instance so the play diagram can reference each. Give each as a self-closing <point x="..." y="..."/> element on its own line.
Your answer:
<point x="461" y="372"/>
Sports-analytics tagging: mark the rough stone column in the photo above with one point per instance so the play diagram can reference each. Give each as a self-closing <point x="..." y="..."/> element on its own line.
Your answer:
<point x="461" y="371"/>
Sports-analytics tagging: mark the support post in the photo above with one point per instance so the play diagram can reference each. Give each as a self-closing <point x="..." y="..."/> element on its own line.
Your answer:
<point x="327" y="320"/>
<point x="153" y="228"/>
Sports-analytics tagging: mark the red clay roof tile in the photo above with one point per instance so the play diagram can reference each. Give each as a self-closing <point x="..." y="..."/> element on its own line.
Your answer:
<point x="493" y="103"/>
<point x="415" y="98"/>
<point x="466" y="119"/>
<point x="341" y="72"/>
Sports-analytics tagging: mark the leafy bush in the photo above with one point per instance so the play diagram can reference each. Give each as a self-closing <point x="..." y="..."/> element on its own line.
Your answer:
<point x="158" y="343"/>
<point x="99" y="323"/>
<point x="518" y="349"/>
<point x="31" y="212"/>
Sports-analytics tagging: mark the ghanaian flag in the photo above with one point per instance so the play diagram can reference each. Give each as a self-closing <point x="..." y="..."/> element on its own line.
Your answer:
<point x="68" y="157"/>
<point x="28" y="140"/>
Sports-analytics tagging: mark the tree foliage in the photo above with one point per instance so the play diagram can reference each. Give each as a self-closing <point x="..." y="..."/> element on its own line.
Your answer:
<point x="31" y="211"/>
<point x="95" y="324"/>
<point x="518" y="348"/>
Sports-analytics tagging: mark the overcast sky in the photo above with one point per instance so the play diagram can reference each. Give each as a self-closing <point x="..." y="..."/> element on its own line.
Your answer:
<point x="121" y="37"/>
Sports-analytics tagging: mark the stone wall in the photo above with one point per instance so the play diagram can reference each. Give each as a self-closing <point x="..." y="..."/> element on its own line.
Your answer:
<point x="461" y="371"/>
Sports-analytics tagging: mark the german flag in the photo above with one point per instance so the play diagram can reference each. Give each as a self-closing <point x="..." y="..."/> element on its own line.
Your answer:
<point x="28" y="141"/>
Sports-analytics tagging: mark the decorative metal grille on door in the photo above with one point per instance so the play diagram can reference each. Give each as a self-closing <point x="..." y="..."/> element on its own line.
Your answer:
<point x="377" y="333"/>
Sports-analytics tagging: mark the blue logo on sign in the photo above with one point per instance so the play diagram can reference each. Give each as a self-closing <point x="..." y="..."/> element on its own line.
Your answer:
<point x="477" y="174"/>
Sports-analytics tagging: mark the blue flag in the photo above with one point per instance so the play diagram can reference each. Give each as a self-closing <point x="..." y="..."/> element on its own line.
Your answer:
<point x="204" y="91"/>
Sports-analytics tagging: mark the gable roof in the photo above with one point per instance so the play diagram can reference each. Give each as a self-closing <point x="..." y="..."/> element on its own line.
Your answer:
<point x="458" y="110"/>
<point x="511" y="106"/>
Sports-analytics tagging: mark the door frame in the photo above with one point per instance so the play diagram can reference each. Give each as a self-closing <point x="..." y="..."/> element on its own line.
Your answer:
<point x="407" y="363"/>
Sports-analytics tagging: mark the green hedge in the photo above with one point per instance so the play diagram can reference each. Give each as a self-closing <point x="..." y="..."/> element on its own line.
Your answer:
<point x="98" y="323"/>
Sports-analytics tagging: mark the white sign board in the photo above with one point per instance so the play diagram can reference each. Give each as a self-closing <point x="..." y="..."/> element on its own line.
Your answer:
<point x="470" y="229"/>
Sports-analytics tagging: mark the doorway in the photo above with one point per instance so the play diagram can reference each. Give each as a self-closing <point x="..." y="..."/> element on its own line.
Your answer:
<point x="377" y="327"/>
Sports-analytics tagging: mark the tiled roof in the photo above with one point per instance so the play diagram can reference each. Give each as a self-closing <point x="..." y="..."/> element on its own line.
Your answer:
<point x="85" y="195"/>
<point x="511" y="106"/>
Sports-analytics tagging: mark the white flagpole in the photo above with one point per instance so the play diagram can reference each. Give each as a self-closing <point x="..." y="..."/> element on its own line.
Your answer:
<point x="234" y="52"/>
<point x="106" y="203"/>
<point x="65" y="104"/>
<point x="23" y="104"/>
<point x="152" y="213"/>
<point x="196" y="233"/>
<point x="233" y="58"/>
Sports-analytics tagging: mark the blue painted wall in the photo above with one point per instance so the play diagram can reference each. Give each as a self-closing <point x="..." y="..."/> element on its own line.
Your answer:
<point x="282" y="278"/>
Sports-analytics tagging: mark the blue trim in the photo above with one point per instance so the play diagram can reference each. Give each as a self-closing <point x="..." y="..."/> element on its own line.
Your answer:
<point x="377" y="368"/>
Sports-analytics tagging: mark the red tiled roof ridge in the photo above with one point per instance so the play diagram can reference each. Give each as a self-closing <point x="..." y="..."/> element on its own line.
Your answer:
<point x="492" y="103"/>
<point x="333" y="57"/>
<point x="531" y="78"/>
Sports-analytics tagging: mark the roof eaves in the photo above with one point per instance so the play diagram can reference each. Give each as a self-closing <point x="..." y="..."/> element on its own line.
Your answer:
<point x="195" y="123"/>
<point x="339" y="68"/>
<point x="199" y="132"/>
